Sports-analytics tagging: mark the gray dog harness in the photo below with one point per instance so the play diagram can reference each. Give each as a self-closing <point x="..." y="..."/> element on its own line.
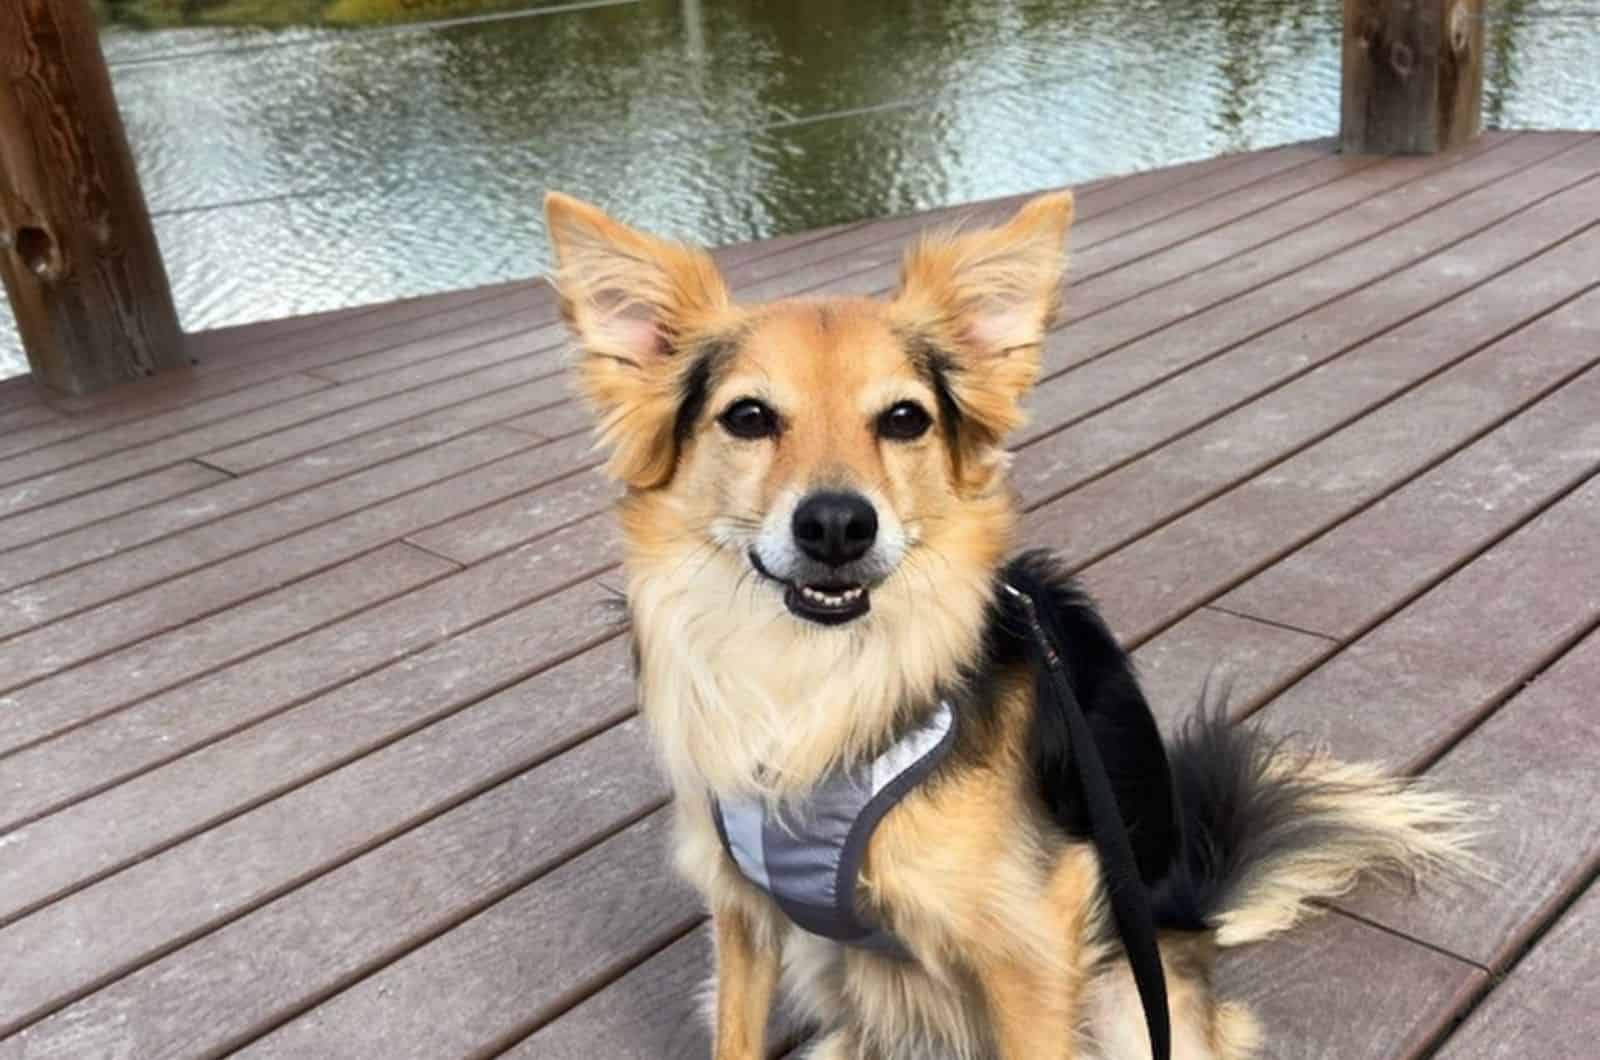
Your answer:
<point x="807" y="853"/>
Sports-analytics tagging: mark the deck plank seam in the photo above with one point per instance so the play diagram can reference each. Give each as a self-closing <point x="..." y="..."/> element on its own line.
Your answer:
<point x="1377" y="925"/>
<point x="488" y="427"/>
<point x="322" y="387"/>
<point x="352" y="347"/>
<point x="416" y="725"/>
<point x="571" y="999"/>
<point x="311" y="341"/>
<point x="290" y="704"/>
<point x="510" y="425"/>
<point x="1282" y="321"/>
<point x="106" y="518"/>
<point x="42" y="1012"/>
<point x="209" y="670"/>
<point x="77" y="496"/>
<point x="203" y="462"/>
<point x="592" y="573"/>
<point x="1328" y="360"/>
<point x="488" y="901"/>
<point x="1524" y="677"/>
<point x="371" y="843"/>
<point x="298" y="578"/>
<point x="1433" y="581"/>
<point x="268" y="542"/>
<point x="325" y="388"/>
<point x="1262" y="620"/>
<point x="1446" y="163"/>
<point x="425" y="550"/>
<point x="1497" y="978"/>
<point x="1264" y="179"/>
<point x="1321" y="436"/>
<point x="593" y="513"/>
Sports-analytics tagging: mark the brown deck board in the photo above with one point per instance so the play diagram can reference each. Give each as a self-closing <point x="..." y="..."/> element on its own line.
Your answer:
<point x="72" y="546"/>
<point x="214" y="876"/>
<point x="1214" y="652"/>
<point x="1531" y="766"/>
<point x="474" y="988"/>
<point x="1340" y="990"/>
<point x="12" y="422"/>
<point x="468" y="828"/>
<point x="655" y="1010"/>
<point x="1203" y="298"/>
<point x="53" y="520"/>
<point x="196" y="590"/>
<point x="319" y="737"/>
<point x="176" y="650"/>
<point x="373" y="403"/>
<point x="1186" y="266"/>
<point x="1282" y="330"/>
<point x="1546" y="1008"/>
<point x="131" y="569"/>
<point x="1299" y="443"/>
<point x="308" y="735"/>
<point x="1455" y="652"/>
<point x="24" y="471"/>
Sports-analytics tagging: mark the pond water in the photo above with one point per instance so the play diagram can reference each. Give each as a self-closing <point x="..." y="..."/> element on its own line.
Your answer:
<point x="301" y="155"/>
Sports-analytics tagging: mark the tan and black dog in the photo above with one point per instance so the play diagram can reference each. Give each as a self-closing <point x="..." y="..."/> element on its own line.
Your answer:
<point x="877" y="802"/>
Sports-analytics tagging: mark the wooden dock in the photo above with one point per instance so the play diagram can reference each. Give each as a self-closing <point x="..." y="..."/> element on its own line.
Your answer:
<point x="317" y="741"/>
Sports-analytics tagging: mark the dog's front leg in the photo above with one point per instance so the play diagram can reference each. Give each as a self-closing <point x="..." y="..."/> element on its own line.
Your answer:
<point x="747" y="975"/>
<point x="1032" y="1010"/>
<point x="1034" y="985"/>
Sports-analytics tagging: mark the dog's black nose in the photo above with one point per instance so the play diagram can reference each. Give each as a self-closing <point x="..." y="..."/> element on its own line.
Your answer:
<point x="835" y="528"/>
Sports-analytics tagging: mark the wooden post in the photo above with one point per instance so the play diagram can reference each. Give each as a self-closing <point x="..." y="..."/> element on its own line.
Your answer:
<point x="1413" y="75"/>
<point x="77" y="252"/>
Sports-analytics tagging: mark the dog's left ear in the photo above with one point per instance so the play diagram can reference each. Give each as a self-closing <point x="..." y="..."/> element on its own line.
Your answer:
<point x="635" y="304"/>
<point x="980" y="303"/>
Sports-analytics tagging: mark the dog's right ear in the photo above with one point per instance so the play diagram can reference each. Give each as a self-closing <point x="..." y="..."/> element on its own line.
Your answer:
<point x="634" y="303"/>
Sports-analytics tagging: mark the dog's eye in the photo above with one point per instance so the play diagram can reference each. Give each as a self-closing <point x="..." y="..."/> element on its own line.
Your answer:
<point x="749" y="418"/>
<point x="904" y="421"/>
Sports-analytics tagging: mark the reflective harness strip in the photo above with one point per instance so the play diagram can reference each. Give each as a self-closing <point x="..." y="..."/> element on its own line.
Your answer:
<point x="807" y="854"/>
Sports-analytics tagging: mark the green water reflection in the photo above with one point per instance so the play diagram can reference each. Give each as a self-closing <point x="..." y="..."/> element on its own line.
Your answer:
<point x="305" y="154"/>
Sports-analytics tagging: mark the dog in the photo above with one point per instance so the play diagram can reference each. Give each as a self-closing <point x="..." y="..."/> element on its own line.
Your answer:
<point x="819" y="580"/>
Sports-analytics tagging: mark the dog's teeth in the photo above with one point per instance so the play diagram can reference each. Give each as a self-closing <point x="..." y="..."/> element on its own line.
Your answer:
<point x="838" y="599"/>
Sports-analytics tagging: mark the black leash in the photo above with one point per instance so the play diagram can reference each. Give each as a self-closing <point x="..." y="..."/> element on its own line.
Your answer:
<point x="1130" y="905"/>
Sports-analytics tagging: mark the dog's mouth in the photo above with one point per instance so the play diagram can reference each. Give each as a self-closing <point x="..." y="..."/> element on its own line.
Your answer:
<point x="831" y="603"/>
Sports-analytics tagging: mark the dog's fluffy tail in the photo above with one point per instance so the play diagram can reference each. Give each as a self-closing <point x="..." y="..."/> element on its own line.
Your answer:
<point x="1267" y="830"/>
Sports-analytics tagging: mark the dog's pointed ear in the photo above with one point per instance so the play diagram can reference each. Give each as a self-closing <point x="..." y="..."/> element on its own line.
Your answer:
<point x="980" y="303"/>
<point x="635" y="304"/>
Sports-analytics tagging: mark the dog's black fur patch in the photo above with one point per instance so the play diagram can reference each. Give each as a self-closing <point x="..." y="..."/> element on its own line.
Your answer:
<point x="692" y="396"/>
<point x="936" y="365"/>
<point x="1239" y="816"/>
<point x="1102" y="678"/>
<point x="1205" y="814"/>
